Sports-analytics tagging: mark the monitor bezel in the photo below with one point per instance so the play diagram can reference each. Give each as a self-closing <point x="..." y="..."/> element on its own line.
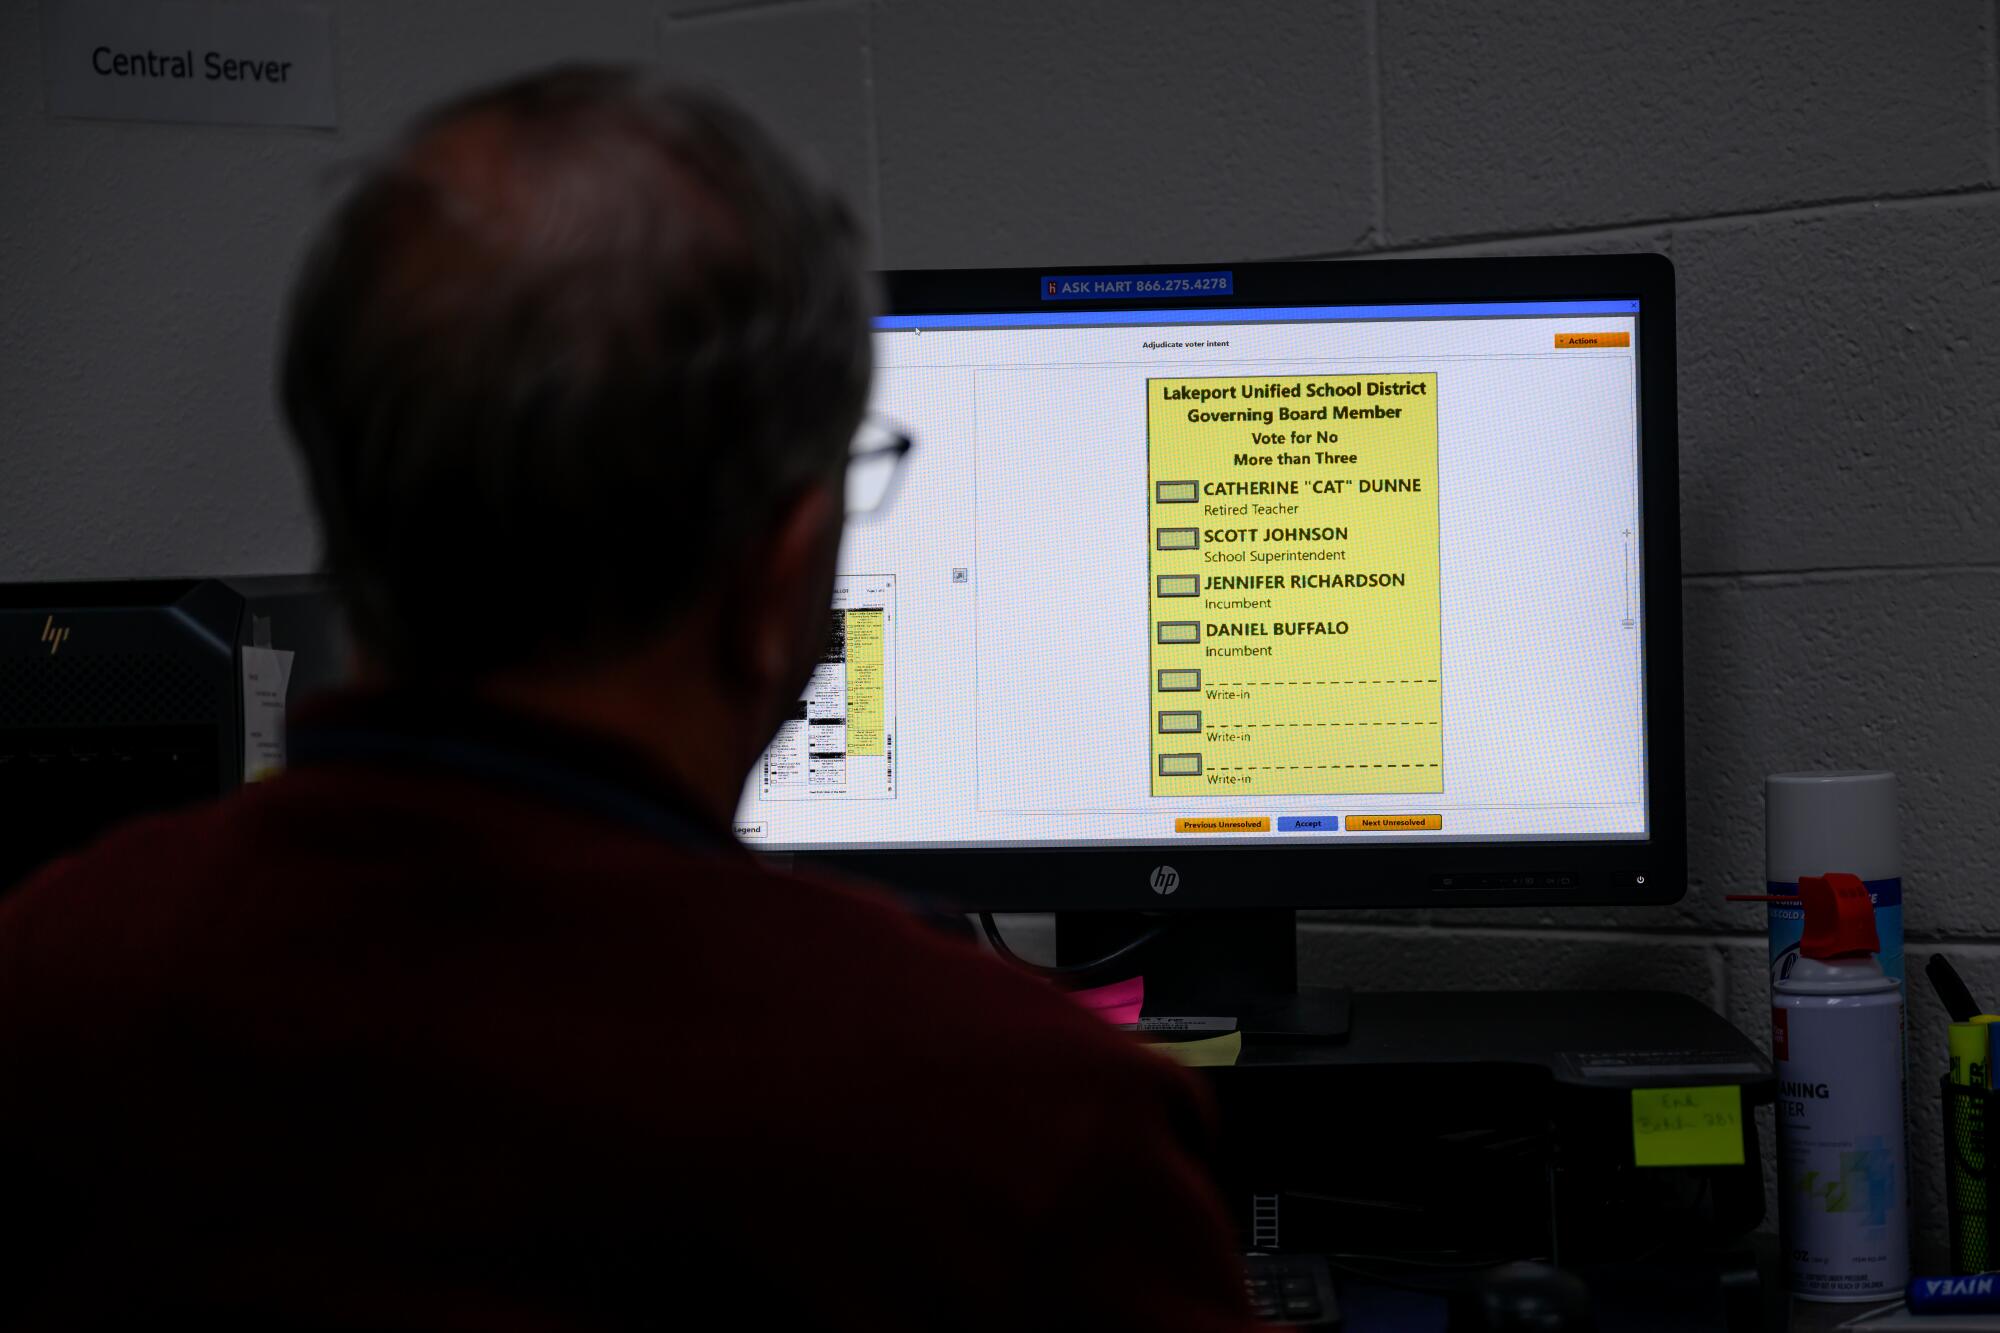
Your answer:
<point x="1317" y="875"/>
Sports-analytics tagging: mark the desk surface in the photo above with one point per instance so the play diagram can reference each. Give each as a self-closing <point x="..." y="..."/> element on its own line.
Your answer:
<point x="1588" y="1038"/>
<point x="1606" y="1040"/>
<point x="1374" y="1308"/>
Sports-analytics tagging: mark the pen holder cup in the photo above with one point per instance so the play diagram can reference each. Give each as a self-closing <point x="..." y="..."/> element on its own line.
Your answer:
<point x="1971" y="1174"/>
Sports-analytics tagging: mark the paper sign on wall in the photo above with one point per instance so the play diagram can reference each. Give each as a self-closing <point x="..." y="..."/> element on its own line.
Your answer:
<point x="224" y="63"/>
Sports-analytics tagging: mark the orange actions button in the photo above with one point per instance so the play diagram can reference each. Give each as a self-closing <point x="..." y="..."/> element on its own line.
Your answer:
<point x="1387" y="823"/>
<point x="1593" y="340"/>
<point x="1224" y="824"/>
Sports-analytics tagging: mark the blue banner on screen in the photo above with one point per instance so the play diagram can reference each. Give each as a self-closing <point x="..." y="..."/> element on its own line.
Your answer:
<point x="1135" y="286"/>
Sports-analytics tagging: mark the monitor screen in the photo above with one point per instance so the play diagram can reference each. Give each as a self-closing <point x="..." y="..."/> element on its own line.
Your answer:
<point x="1165" y="574"/>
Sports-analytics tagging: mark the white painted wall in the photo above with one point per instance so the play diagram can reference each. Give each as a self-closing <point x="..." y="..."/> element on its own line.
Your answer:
<point x="1824" y="176"/>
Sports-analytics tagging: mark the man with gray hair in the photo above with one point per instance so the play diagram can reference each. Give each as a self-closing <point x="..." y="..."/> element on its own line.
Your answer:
<point x="478" y="1017"/>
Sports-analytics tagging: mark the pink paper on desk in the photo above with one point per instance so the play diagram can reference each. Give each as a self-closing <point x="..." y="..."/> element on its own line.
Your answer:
<point x="1118" y="1003"/>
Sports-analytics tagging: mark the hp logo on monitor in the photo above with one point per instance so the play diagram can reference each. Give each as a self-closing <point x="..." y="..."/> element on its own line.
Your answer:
<point x="1165" y="880"/>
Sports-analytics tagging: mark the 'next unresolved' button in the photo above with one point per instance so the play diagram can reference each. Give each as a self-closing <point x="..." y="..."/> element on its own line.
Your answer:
<point x="1392" y="823"/>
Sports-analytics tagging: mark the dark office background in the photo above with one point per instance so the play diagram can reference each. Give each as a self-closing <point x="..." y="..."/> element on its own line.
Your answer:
<point x="1823" y="174"/>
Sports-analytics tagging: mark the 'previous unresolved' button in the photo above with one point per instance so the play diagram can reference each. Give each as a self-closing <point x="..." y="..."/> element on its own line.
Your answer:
<point x="1392" y="823"/>
<point x="1224" y="824"/>
<point x="1593" y="340"/>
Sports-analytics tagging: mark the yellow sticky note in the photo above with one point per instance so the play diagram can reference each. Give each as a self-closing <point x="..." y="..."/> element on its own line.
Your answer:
<point x="1221" y="1050"/>
<point x="1687" y="1126"/>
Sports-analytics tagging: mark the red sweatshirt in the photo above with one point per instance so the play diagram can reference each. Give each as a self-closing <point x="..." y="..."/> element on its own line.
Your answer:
<point x="394" y="1042"/>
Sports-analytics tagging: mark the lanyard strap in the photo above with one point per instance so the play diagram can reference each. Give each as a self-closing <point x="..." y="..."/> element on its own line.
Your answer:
<point x="557" y="782"/>
<point x="552" y="779"/>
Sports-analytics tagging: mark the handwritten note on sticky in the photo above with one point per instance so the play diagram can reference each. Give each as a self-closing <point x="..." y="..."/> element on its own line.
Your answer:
<point x="1223" y="1050"/>
<point x="1687" y="1126"/>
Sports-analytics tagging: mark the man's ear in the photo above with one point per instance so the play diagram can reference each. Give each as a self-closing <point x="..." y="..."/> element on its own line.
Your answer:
<point x="785" y="594"/>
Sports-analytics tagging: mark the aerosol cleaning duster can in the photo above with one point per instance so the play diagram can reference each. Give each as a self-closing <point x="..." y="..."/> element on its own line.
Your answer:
<point x="1815" y="823"/>
<point x="1837" y="1034"/>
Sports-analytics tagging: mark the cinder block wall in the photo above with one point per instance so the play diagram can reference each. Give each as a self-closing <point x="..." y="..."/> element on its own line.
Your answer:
<point x="1822" y="174"/>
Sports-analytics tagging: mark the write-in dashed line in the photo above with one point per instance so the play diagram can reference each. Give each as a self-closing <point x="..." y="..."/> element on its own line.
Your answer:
<point x="1273" y="768"/>
<point x="1224" y="726"/>
<point x="1238" y="684"/>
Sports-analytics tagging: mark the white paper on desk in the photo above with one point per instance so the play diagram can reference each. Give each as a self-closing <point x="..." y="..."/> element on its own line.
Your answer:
<point x="267" y="674"/>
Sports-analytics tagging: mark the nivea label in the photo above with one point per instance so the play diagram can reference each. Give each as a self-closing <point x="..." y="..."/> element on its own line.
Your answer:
<point x="1974" y="1293"/>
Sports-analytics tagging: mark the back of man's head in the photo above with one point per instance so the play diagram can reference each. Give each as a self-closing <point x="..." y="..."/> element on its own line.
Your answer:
<point x="559" y="360"/>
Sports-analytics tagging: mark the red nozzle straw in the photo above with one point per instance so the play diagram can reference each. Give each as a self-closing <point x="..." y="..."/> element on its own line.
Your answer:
<point x="1840" y="918"/>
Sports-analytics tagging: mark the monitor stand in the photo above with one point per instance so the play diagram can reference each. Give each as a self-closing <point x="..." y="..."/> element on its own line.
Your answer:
<point x="1241" y="965"/>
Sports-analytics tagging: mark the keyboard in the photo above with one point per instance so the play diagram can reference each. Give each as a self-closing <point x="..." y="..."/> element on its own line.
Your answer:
<point x="1291" y="1289"/>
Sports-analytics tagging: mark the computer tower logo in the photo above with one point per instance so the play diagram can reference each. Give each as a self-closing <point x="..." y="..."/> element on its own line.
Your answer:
<point x="1165" y="880"/>
<point x="54" y="634"/>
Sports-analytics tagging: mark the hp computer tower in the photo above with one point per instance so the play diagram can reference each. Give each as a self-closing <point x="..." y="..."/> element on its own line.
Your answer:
<point x="123" y="698"/>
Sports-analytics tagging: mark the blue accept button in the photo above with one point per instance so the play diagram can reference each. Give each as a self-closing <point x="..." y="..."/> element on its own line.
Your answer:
<point x="1308" y="823"/>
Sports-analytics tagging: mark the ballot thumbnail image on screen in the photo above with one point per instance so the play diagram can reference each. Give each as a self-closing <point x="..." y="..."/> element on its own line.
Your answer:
<point x="840" y="740"/>
<point x="1367" y="575"/>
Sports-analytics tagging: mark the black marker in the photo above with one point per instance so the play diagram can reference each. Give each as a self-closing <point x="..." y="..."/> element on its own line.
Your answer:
<point x="1958" y="1001"/>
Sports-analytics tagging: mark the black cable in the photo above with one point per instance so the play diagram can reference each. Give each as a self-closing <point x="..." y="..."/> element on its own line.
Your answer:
<point x="993" y="937"/>
<point x="1444" y="1278"/>
<point x="1433" y="1265"/>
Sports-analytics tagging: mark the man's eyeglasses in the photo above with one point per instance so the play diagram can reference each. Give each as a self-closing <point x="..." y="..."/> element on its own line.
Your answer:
<point x="874" y="463"/>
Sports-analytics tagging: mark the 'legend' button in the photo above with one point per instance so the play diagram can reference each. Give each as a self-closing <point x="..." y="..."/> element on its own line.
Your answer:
<point x="1392" y="823"/>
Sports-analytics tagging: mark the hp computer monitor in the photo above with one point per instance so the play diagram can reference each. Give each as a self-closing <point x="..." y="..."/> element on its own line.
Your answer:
<point x="1274" y="585"/>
